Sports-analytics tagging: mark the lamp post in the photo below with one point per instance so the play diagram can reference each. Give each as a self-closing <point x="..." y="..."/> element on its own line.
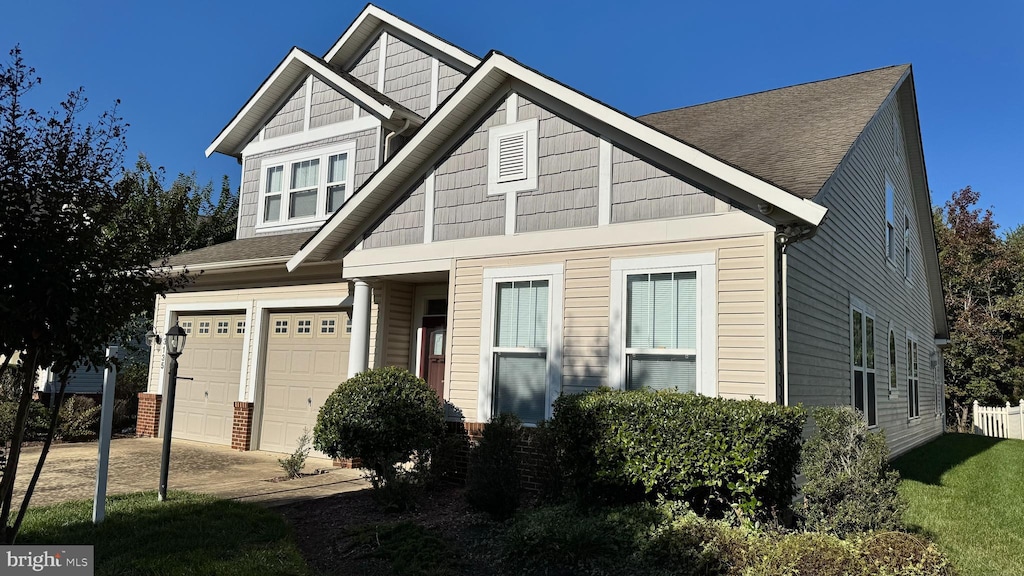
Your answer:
<point x="175" y="345"/>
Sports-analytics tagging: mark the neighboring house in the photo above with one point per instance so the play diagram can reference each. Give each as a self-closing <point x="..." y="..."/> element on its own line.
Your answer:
<point x="510" y="239"/>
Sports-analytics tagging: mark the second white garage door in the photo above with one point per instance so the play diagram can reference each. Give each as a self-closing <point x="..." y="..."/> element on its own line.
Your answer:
<point x="307" y="358"/>
<point x="204" y="405"/>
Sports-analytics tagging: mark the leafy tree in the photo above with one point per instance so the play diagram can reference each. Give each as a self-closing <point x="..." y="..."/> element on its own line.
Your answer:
<point x="70" y="273"/>
<point x="983" y="281"/>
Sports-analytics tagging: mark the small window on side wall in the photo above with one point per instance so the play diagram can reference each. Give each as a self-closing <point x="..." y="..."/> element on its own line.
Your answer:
<point x="890" y="222"/>
<point x="908" y="268"/>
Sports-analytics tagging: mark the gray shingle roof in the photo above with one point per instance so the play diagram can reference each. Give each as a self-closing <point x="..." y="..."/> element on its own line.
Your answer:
<point x="281" y="245"/>
<point x="793" y="137"/>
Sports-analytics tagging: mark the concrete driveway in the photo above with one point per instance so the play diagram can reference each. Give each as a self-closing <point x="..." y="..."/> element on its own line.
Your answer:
<point x="70" y="473"/>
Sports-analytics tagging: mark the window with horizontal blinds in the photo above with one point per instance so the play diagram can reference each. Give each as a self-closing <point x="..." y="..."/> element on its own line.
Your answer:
<point x="520" y="348"/>
<point x="661" y="331"/>
<point x="512" y="157"/>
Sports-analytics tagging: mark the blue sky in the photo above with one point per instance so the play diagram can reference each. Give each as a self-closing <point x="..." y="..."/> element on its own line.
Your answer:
<point x="183" y="69"/>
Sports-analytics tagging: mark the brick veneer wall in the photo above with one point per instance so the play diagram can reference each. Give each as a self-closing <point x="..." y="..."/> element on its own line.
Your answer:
<point x="532" y="461"/>
<point x="241" y="426"/>
<point x="148" y="423"/>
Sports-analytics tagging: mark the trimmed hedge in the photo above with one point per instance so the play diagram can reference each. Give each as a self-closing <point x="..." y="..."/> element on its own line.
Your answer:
<point x="715" y="454"/>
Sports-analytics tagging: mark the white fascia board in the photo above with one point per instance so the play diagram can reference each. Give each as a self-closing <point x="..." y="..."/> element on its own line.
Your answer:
<point x="372" y="17"/>
<point x="309" y="64"/>
<point x="805" y="210"/>
<point x="499" y="69"/>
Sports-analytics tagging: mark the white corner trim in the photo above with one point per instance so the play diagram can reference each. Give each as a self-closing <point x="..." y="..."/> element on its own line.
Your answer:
<point x="428" y="208"/>
<point x="707" y="313"/>
<point x="555" y="275"/>
<point x="512" y="108"/>
<point x="604" y="183"/>
<point x="434" y="72"/>
<point x="510" y="213"/>
<point x="382" y="60"/>
<point x="308" y="103"/>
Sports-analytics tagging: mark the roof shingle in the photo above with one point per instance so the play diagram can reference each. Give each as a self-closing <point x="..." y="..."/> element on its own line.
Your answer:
<point x="792" y="137"/>
<point x="277" y="246"/>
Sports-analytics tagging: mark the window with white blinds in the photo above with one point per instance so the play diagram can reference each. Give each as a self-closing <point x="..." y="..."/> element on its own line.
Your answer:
<point x="520" y="348"/>
<point x="661" y="337"/>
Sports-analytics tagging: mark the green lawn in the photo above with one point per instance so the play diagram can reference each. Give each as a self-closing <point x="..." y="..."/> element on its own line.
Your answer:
<point x="967" y="493"/>
<point x="187" y="534"/>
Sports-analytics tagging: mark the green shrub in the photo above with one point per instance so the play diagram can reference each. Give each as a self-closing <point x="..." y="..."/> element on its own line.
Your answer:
<point x="296" y="461"/>
<point x="562" y="540"/>
<point x="492" y="482"/>
<point x="902" y="554"/>
<point x="36" y="426"/>
<point x="78" y="419"/>
<point x="808" y="553"/>
<point x="850" y="486"/>
<point x="715" y="454"/>
<point x="448" y="458"/>
<point x="384" y="417"/>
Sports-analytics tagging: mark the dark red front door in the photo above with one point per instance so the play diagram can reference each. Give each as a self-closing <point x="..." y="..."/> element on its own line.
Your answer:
<point x="432" y="353"/>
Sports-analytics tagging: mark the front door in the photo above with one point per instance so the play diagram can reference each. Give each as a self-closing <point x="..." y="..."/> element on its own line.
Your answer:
<point x="432" y="353"/>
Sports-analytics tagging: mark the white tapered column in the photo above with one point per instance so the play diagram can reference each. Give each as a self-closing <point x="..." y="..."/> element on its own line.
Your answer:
<point x="359" y="343"/>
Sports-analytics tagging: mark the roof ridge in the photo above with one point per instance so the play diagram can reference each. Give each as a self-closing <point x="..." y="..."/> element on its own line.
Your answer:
<point x="738" y="96"/>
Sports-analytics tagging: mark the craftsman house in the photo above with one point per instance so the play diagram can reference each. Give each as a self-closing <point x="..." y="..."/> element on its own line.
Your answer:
<point x="510" y="239"/>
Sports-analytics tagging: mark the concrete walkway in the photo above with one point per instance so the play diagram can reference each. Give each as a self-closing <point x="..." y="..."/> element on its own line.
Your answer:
<point x="70" y="473"/>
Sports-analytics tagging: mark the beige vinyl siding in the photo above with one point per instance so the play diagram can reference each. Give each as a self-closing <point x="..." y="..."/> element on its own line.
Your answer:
<point x="847" y="256"/>
<point x="216" y="299"/>
<point x="328" y="106"/>
<point x="290" y="117"/>
<point x="398" y="332"/>
<point x="407" y="76"/>
<point x="744" y="297"/>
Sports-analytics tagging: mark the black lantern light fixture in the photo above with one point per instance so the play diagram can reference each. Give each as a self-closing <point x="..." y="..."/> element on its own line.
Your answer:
<point x="175" y="342"/>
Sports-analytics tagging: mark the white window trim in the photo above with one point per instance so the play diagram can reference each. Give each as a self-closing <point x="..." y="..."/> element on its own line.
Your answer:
<point x="890" y="225"/>
<point x="554" y="274"/>
<point x="867" y="312"/>
<point x="286" y="160"/>
<point x="530" y="128"/>
<point x="908" y="261"/>
<point x="704" y="265"/>
<point x="892" y="363"/>
<point x="912" y="338"/>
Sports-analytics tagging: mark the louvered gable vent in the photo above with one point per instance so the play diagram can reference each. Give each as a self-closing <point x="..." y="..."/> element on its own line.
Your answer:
<point x="512" y="157"/>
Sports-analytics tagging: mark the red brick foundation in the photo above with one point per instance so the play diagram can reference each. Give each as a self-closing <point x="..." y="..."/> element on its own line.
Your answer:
<point x="241" y="427"/>
<point x="348" y="463"/>
<point x="148" y="423"/>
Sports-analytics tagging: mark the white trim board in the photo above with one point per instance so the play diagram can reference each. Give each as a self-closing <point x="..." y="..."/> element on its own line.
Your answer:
<point x="491" y="80"/>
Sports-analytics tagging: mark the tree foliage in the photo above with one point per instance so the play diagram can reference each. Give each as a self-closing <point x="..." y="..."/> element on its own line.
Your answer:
<point x="983" y="281"/>
<point x="71" y="272"/>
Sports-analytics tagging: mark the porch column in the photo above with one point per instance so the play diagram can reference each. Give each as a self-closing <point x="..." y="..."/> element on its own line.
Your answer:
<point x="359" y="343"/>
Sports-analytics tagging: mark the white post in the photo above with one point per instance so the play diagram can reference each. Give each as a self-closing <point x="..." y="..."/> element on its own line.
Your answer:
<point x="1020" y="417"/>
<point x="359" y="343"/>
<point x="977" y="423"/>
<point x="99" y="502"/>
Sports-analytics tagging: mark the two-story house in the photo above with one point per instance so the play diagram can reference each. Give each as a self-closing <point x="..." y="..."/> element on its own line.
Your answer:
<point x="510" y="239"/>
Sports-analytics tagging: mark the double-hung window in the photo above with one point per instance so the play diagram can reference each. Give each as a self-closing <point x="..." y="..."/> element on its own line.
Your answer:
<point x="661" y="333"/>
<point x="305" y="187"/>
<point x="890" y="222"/>
<point x="862" y="349"/>
<point x="913" y="380"/>
<point x="521" y="342"/>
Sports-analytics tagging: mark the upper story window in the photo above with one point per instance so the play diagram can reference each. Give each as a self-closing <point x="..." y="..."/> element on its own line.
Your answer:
<point x="890" y="222"/>
<point x="512" y="157"/>
<point x="304" y="187"/>
<point x="907" y="267"/>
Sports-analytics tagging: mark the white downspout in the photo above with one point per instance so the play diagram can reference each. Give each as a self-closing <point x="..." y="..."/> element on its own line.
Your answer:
<point x="387" y="140"/>
<point x="785" y="325"/>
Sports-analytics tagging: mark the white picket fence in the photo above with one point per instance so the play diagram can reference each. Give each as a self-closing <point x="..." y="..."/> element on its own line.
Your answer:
<point x="999" y="421"/>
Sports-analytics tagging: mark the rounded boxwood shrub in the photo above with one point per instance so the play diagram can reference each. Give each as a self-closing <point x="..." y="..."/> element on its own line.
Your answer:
<point x="850" y="486"/>
<point x="382" y="417"/>
<point x="720" y="456"/>
<point x="809" y="553"/>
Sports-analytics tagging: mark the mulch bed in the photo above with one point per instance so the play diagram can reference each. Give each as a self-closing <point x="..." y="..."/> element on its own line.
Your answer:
<point x="331" y="532"/>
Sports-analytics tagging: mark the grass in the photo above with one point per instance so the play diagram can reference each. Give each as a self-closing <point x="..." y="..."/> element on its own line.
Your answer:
<point x="967" y="494"/>
<point x="410" y="549"/>
<point x="187" y="534"/>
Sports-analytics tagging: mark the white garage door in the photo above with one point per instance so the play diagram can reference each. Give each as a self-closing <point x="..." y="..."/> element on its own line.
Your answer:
<point x="307" y="358"/>
<point x="204" y="406"/>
